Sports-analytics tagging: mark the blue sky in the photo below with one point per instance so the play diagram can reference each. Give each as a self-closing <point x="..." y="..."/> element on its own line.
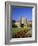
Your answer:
<point x="16" y="12"/>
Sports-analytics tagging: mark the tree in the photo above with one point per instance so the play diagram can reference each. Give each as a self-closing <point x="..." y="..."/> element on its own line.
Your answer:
<point x="30" y="24"/>
<point x="22" y="25"/>
<point x="13" y="23"/>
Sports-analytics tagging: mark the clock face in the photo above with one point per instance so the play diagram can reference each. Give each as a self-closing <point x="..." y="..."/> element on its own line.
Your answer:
<point x="21" y="17"/>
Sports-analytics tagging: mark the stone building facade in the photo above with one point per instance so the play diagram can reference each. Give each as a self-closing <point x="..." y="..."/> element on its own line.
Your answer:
<point x="22" y="20"/>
